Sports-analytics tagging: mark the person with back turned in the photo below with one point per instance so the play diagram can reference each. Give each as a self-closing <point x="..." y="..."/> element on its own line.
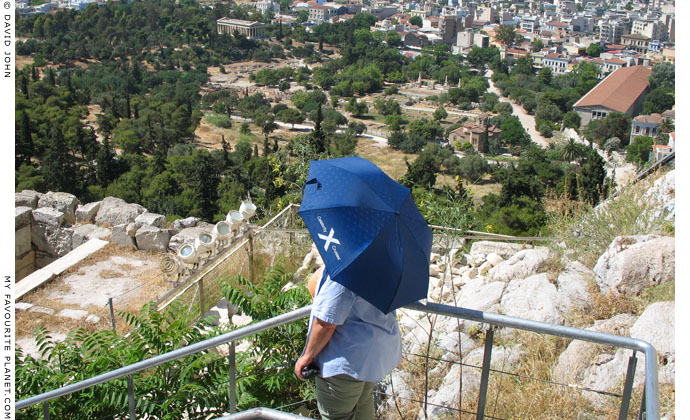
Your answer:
<point x="354" y="345"/>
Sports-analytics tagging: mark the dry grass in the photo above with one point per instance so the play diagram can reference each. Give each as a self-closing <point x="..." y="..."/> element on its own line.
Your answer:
<point x="150" y="286"/>
<point x="389" y="160"/>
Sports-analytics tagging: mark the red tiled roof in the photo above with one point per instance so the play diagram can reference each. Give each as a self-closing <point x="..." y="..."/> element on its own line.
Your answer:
<point x="648" y="119"/>
<point x="619" y="90"/>
<point x="556" y="23"/>
<point x="615" y="61"/>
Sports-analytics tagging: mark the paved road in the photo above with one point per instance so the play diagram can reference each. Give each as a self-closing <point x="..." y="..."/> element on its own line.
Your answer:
<point x="526" y="120"/>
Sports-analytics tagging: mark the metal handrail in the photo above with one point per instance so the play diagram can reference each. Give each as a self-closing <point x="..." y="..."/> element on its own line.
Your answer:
<point x="237" y="334"/>
<point x="651" y="376"/>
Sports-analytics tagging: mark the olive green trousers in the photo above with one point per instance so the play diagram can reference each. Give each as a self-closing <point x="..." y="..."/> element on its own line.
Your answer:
<point x="343" y="397"/>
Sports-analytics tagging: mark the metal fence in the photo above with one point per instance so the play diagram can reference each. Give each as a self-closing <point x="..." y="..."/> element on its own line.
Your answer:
<point x="650" y="400"/>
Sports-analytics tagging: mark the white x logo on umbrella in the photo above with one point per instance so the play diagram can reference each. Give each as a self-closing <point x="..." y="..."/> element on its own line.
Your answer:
<point x="329" y="239"/>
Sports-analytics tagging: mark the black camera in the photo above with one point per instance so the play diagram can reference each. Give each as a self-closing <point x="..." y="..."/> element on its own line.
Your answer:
<point x="310" y="371"/>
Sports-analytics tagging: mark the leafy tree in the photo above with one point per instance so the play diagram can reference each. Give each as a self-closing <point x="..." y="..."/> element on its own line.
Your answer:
<point x="659" y="100"/>
<point x="591" y="179"/>
<point x="513" y="134"/>
<point x="571" y="119"/>
<point x="537" y="45"/>
<point x="638" y="151"/>
<point x="291" y="116"/>
<point x="594" y="50"/>
<point x="523" y="65"/>
<point x="504" y="108"/>
<point x="440" y="114"/>
<point x="663" y="74"/>
<point x="429" y="130"/>
<point x="422" y="172"/>
<point x="416" y="20"/>
<point x="506" y="34"/>
<point x="473" y="167"/>
<point x="545" y="76"/>
<point x="357" y="109"/>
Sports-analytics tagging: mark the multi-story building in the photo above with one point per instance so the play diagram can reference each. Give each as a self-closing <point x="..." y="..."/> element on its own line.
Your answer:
<point x="612" y="30"/>
<point x="529" y="23"/>
<point x="639" y="43"/>
<point x="650" y="28"/>
<point x="265" y="5"/>
<point x="557" y="63"/>
<point x="622" y="91"/>
<point x="582" y="24"/>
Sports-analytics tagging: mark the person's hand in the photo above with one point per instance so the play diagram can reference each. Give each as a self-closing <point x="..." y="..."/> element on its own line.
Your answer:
<point x="301" y="363"/>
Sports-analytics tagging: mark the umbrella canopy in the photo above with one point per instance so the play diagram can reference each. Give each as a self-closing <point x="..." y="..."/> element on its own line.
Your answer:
<point x="368" y="231"/>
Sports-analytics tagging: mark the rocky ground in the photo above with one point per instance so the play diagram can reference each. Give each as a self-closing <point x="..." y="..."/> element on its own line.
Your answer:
<point x="542" y="284"/>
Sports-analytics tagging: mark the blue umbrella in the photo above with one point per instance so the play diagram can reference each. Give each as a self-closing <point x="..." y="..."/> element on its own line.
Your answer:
<point x="368" y="231"/>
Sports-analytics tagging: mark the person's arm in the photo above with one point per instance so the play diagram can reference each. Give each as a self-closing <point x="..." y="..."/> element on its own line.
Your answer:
<point x="321" y="333"/>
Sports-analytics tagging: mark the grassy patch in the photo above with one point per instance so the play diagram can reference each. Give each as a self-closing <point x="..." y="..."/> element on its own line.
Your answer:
<point x="222" y="121"/>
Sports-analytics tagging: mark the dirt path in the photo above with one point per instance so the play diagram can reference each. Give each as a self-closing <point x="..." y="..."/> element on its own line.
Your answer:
<point x="526" y="120"/>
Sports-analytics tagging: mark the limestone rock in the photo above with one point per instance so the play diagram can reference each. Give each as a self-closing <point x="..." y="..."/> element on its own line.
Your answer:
<point x="484" y="268"/>
<point x="87" y="212"/>
<point x="27" y="198"/>
<point x="494" y="259"/>
<point x="533" y="298"/>
<point x="657" y="326"/>
<point x="151" y="219"/>
<point x="61" y="201"/>
<point x="521" y="265"/>
<point x="132" y="228"/>
<point x="434" y="271"/>
<point x="22" y="306"/>
<point x="93" y="319"/>
<point x="480" y="295"/>
<point x="22" y="240"/>
<point x="185" y="223"/>
<point x="120" y="236"/>
<point x="55" y="241"/>
<point x="578" y="356"/>
<point x="503" y="249"/>
<point x="83" y="233"/>
<point x="73" y="313"/>
<point x="573" y="284"/>
<point x="22" y="216"/>
<point x="48" y="216"/>
<point x="153" y="238"/>
<point x="633" y="263"/>
<point x="115" y="211"/>
<point x="663" y="195"/>
<point x="447" y="395"/>
<point x="42" y="310"/>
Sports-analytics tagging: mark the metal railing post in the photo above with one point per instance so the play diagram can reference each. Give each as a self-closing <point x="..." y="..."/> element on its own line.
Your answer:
<point x="627" y="389"/>
<point x="112" y="313"/>
<point x="643" y="405"/>
<point x="130" y="397"/>
<point x="46" y="410"/>
<point x="201" y="297"/>
<point x="486" y="367"/>
<point x="232" y="383"/>
<point x="251" y="256"/>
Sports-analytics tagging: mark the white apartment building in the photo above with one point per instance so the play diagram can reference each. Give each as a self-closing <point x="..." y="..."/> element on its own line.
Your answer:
<point x="557" y="64"/>
<point x="611" y="31"/>
<point x="529" y="23"/>
<point x="650" y="28"/>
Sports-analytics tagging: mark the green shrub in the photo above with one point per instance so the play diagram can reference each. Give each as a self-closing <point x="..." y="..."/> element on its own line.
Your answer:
<point x="222" y="121"/>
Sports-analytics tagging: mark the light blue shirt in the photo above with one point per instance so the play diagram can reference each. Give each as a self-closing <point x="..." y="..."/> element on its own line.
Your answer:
<point x="366" y="343"/>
